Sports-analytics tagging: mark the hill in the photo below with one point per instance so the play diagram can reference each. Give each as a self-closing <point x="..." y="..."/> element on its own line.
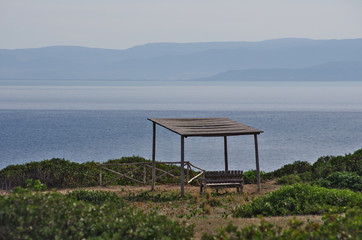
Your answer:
<point x="174" y="61"/>
<point x="332" y="71"/>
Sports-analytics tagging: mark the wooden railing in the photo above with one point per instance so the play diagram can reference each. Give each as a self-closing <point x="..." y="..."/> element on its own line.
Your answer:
<point x="145" y="165"/>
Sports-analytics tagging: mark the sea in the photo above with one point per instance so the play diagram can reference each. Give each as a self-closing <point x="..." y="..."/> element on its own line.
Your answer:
<point x="98" y="120"/>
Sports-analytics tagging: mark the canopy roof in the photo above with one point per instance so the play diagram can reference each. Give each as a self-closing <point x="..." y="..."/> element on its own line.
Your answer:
<point x="205" y="127"/>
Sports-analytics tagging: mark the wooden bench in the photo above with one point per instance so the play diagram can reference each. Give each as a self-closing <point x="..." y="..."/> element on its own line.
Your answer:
<point x="222" y="179"/>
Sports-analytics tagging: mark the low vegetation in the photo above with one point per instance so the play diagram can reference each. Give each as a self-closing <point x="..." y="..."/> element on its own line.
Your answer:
<point x="61" y="173"/>
<point x="53" y="215"/>
<point x="289" y="179"/>
<point x="300" y="199"/>
<point x="342" y="180"/>
<point x="298" y="167"/>
<point x="334" y="226"/>
<point x="344" y="172"/>
<point x="331" y="186"/>
<point x="250" y="176"/>
<point x="97" y="197"/>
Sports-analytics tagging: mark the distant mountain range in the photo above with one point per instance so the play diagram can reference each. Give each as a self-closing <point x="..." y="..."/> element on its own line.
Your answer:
<point x="332" y="71"/>
<point x="280" y="59"/>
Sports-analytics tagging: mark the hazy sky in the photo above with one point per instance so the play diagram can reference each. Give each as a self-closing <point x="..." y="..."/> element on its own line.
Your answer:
<point x="121" y="24"/>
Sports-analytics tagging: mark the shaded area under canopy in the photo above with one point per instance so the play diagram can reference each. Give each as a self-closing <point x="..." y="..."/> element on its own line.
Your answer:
<point x="203" y="127"/>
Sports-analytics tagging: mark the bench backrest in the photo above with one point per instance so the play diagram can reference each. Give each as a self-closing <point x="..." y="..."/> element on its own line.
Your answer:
<point x="222" y="176"/>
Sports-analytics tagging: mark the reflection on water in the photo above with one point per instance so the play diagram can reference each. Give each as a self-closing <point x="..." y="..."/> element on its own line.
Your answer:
<point x="180" y="95"/>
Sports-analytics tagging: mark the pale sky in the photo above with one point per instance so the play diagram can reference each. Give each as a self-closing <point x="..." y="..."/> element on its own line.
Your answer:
<point x="120" y="24"/>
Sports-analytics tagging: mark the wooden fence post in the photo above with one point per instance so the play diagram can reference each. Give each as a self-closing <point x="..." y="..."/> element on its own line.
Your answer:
<point x="144" y="174"/>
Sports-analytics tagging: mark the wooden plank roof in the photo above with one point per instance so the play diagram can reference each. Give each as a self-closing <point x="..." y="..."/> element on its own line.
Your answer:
<point x="205" y="127"/>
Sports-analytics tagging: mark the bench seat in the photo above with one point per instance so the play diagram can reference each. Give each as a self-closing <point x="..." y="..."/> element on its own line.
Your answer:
<point x="222" y="179"/>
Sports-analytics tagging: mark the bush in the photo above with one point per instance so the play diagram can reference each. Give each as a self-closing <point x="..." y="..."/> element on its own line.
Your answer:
<point x="342" y="180"/>
<point x="306" y="177"/>
<point x="334" y="227"/>
<point x="318" y="172"/>
<point x="55" y="173"/>
<point x="300" y="199"/>
<point x="61" y="173"/>
<point x="289" y="179"/>
<point x="31" y="186"/>
<point x="250" y="177"/>
<point x="294" y="168"/>
<point x="329" y="164"/>
<point x="57" y="216"/>
<point x="96" y="197"/>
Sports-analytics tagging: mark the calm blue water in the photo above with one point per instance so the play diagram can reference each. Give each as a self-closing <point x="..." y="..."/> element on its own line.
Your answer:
<point x="98" y="120"/>
<point x="99" y="135"/>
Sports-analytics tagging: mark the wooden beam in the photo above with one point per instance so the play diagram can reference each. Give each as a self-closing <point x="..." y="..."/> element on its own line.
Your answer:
<point x="257" y="161"/>
<point x="168" y="173"/>
<point x="182" y="164"/>
<point x="226" y="153"/>
<point x="154" y="157"/>
<point x="121" y="175"/>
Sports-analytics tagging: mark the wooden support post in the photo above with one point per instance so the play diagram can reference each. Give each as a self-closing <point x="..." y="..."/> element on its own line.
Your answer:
<point x="100" y="175"/>
<point x="226" y="153"/>
<point x="182" y="164"/>
<point x="257" y="161"/>
<point x="188" y="174"/>
<point x="154" y="157"/>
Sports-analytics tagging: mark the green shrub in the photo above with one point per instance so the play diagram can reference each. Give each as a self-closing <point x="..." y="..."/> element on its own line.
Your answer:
<point x="61" y="173"/>
<point x="55" y="173"/>
<point x="57" y="216"/>
<point x="329" y="164"/>
<point x="96" y="197"/>
<point x="289" y="179"/>
<point x="334" y="227"/>
<point x="306" y="176"/>
<point x="323" y="167"/>
<point x="32" y="186"/>
<point x="321" y="170"/>
<point x="348" y="180"/>
<point x="250" y="177"/>
<point x="294" y="168"/>
<point x="300" y="199"/>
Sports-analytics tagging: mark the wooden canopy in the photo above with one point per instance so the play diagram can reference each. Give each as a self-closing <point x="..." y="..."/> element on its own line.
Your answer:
<point x="203" y="127"/>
